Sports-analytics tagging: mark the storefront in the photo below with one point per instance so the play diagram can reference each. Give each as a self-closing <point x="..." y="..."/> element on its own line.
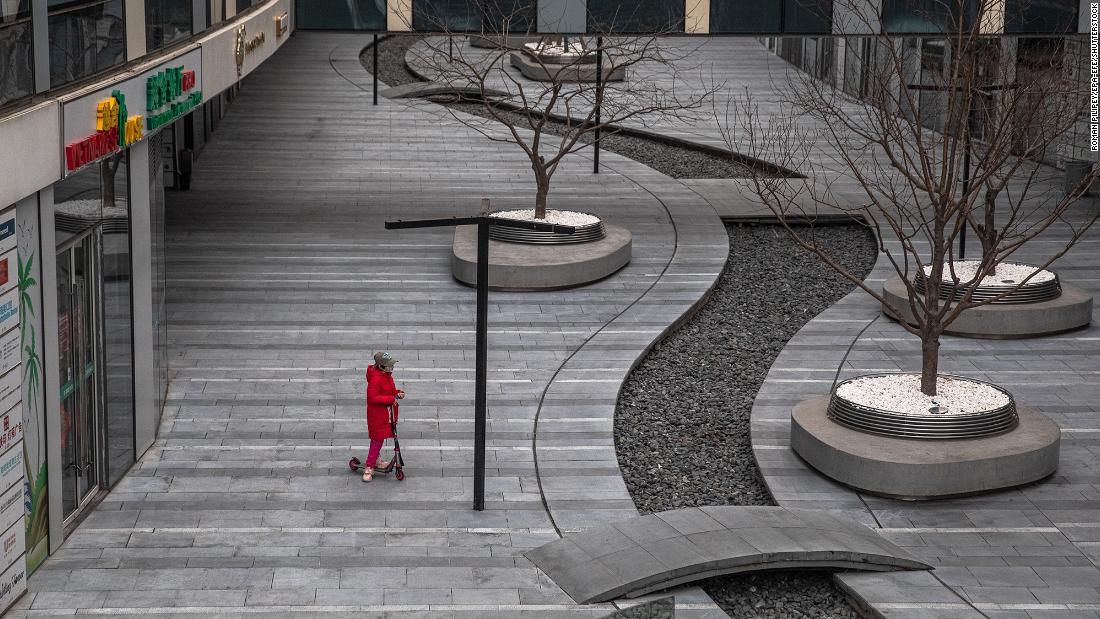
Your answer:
<point x="83" y="314"/>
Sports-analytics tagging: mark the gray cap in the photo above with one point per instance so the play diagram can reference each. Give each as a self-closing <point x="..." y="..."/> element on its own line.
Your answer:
<point x="384" y="360"/>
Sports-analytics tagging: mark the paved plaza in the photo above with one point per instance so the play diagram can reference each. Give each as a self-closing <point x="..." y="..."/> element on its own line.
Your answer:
<point x="282" y="282"/>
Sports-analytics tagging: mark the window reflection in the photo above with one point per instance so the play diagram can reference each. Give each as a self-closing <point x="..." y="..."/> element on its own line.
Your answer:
<point x="636" y="15"/>
<point x="86" y="37"/>
<point x="16" y="51"/>
<point x="343" y="14"/>
<point x="451" y="15"/>
<point x="166" y="21"/>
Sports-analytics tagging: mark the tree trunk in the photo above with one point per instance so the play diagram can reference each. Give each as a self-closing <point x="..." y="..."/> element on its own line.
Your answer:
<point x="930" y="362"/>
<point x="542" y="189"/>
<point x="540" y="202"/>
<point x="107" y="182"/>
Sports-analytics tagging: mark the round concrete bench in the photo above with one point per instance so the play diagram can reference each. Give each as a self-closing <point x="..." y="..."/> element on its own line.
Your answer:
<point x="1072" y="310"/>
<point x="516" y="266"/>
<point x="924" y="469"/>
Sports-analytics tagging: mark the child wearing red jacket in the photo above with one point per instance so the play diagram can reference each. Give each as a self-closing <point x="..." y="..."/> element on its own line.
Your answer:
<point x="382" y="394"/>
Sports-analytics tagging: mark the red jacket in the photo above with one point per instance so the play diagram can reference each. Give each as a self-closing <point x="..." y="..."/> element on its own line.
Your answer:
<point x="381" y="395"/>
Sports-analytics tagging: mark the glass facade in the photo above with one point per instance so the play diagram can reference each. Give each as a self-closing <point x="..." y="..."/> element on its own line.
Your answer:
<point x="636" y="15"/>
<point x="159" y="272"/>
<point x="754" y="16"/>
<point x="16" y="51"/>
<point x="95" y="326"/>
<point x="244" y="4"/>
<point x="450" y="15"/>
<point x="925" y="16"/>
<point x="342" y="14"/>
<point x="1046" y="16"/>
<point x="166" y="21"/>
<point x="86" y="37"/>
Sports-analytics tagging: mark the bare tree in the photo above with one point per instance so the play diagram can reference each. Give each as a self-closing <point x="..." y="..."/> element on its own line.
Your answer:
<point x="935" y="143"/>
<point x="566" y="110"/>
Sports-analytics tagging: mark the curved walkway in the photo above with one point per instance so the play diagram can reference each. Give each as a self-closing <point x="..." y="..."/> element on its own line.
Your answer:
<point x="654" y="552"/>
<point x="282" y="281"/>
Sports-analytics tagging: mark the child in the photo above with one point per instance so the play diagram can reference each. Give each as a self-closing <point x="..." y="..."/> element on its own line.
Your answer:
<point x="382" y="394"/>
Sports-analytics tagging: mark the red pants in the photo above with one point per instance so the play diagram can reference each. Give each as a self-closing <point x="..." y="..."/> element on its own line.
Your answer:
<point x="372" y="455"/>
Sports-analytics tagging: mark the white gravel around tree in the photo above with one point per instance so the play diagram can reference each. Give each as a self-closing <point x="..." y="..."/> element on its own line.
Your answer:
<point x="901" y="394"/>
<point x="1008" y="273"/>
<point x="553" y="216"/>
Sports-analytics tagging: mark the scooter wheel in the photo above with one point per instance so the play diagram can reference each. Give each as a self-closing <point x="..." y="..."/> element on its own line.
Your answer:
<point x="353" y="464"/>
<point x="400" y="475"/>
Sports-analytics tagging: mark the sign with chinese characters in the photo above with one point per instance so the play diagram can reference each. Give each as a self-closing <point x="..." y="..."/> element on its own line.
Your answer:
<point x="102" y="122"/>
<point x="169" y="95"/>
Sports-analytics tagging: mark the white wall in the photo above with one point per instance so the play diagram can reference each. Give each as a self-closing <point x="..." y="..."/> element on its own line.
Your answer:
<point x="30" y="156"/>
<point x="219" y="49"/>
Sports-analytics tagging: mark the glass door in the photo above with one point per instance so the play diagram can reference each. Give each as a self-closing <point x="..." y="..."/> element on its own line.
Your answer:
<point x="77" y="333"/>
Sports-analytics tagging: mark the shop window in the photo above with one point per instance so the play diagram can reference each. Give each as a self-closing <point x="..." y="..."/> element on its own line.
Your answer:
<point x="246" y="4"/>
<point x="927" y="16"/>
<point x="92" y="213"/>
<point x="159" y="147"/>
<point x="16" y="51"/>
<point x="635" y="16"/>
<point x="1041" y="16"/>
<point x="166" y="21"/>
<point x="86" y="37"/>
<point x="342" y="14"/>
<point x="766" y="16"/>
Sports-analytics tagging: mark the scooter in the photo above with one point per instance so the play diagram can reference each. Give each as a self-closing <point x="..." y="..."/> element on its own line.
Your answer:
<point x="396" y="464"/>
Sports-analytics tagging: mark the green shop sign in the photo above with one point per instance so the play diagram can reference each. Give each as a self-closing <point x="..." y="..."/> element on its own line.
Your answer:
<point x="169" y="95"/>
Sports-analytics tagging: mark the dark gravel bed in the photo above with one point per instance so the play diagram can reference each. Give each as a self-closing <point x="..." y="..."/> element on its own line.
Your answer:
<point x="391" y="60"/>
<point x="682" y="423"/>
<point x="670" y="159"/>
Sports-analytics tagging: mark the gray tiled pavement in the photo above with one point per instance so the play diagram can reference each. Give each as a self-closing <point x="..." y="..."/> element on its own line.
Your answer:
<point x="282" y="281"/>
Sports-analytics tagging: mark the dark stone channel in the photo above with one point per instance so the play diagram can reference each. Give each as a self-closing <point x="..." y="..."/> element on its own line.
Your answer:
<point x="682" y="423"/>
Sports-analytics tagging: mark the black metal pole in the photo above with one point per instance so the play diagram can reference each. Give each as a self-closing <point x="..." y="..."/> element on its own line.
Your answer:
<point x="599" y="104"/>
<point x="480" y="363"/>
<point x="374" y="51"/>
<point x="450" y="49"/>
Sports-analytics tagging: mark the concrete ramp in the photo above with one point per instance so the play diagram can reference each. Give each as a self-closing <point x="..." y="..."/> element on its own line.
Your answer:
<point x="650" y="553"/>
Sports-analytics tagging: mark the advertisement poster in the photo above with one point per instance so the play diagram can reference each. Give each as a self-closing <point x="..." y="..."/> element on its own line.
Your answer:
<point x="29" y="378"/>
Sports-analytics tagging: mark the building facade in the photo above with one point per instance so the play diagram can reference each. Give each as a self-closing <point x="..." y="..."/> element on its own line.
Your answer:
<point x="103" y="106"/>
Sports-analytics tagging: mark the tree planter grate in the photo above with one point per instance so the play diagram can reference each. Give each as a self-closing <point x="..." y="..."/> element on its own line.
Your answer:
<point x="925" y="427"/>
<point x="584" y="234"/>
<point x="1028" y="293"/>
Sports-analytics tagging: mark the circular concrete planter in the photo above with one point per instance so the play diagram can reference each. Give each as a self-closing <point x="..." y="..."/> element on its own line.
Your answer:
<point x="921" y="469"/>
<point x="547" y="72"/>
<point x="1069" y="311"/>
<point x="515" y="266"/>
<point x="589" y="228"/>
<point x="925" y="418"/>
